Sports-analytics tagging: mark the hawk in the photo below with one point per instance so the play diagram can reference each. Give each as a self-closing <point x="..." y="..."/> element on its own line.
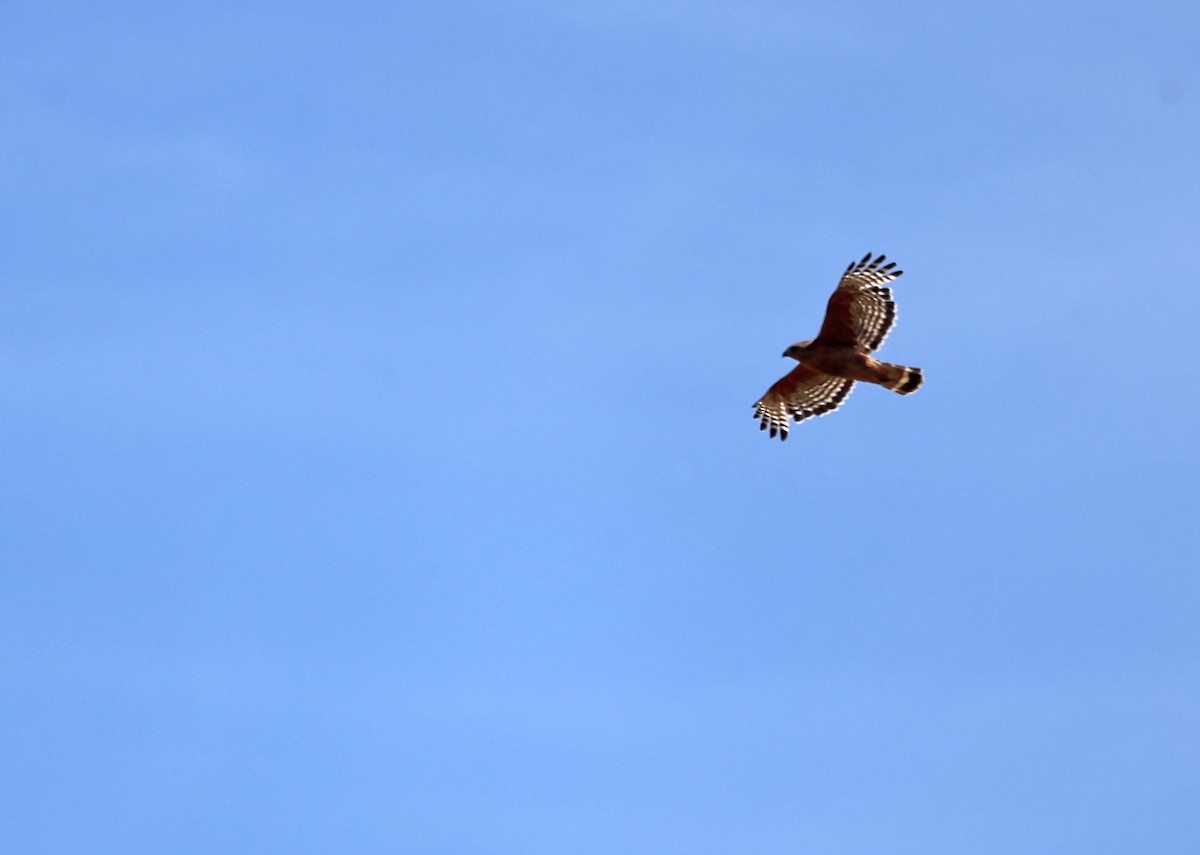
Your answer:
<point x="859" y="315"/>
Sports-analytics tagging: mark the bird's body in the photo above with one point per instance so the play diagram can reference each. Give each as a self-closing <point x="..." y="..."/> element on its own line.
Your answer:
<point x="859" y="315"/>
<point x="852" y="363"/>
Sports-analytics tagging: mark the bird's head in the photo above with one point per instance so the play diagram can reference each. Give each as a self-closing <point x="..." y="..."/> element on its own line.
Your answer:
<point x="796" y="351"/>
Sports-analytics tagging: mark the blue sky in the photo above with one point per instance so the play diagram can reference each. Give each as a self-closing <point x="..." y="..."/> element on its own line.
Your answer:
<point x="377" y="456"/>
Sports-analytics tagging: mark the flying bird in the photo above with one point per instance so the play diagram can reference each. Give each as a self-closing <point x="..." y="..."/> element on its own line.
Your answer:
<point x="859" y="315"/>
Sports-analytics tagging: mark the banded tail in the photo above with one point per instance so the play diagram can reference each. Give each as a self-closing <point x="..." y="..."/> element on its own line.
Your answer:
<point x="900" y="379"/>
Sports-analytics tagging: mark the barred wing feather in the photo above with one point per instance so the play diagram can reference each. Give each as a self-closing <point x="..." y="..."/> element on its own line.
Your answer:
<point x="802" y="393"/>
<point x="861" y="310"/>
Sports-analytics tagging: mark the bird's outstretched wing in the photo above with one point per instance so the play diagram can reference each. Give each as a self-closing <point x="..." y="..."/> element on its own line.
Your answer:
<point x="803" y="392"/>
<point x="861" y="311"/>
